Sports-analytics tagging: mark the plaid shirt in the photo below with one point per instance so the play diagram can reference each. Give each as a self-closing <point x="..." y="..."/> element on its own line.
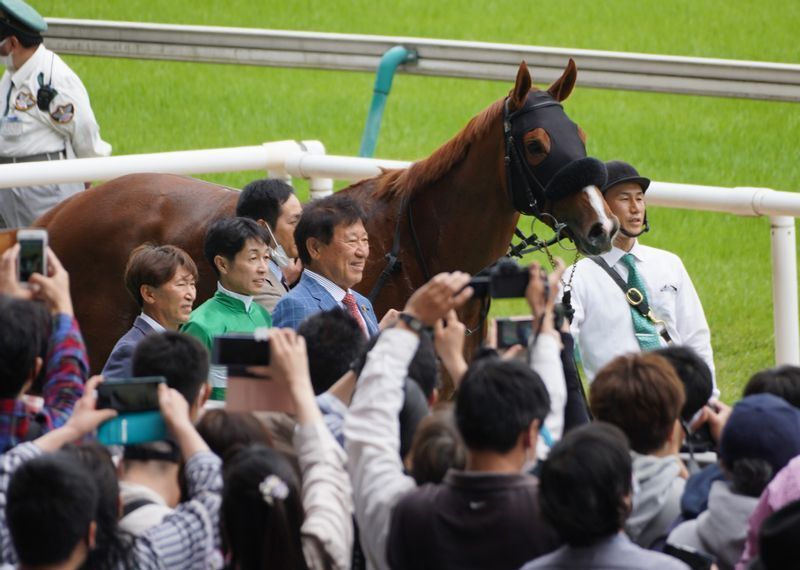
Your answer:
<point x="186" y="539"/>
<point x="67" y="371"/>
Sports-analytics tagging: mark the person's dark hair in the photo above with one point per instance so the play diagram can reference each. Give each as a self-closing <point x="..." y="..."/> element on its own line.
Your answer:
<point x="436" y="447"/>
<point x="154" y="265"/>
<point x="20" y="343"/>
<point x="228" y="432"/>
<point x="497" y="401"/>
<point x="261" y="532"/>
<point x="112" y="545"/>
<point x="749" y="476"/>
<point x="782" y="381"/>
<point x="321" y="217"/>
<point x="584" y="484"/>
<point x="698" y="384"/>
<point x="262" y="200"/>
<point x="50" y="508"/>
<point x="414" y="410"/>
<point x="227" y="237"/>
<point x="424" y="368"/>
<point x="180" y="358"/>
<point x="642" y="395"/>
<point x="334" y="340"/>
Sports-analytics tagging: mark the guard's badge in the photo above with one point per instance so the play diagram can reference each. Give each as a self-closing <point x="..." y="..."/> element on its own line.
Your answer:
<point x="64" y="113"/>
<point x="24" y="101"/>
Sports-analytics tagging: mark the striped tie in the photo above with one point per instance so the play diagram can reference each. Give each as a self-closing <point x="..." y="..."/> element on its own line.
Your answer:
<point x="646" y="332"/>
<point x="350" y="302"/>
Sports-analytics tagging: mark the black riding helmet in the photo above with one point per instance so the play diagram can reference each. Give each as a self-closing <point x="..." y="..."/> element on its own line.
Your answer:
<point x="619" y="172"/>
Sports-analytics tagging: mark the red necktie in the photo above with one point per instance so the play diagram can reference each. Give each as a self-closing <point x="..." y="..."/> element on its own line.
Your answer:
<point x="350" y="302"/>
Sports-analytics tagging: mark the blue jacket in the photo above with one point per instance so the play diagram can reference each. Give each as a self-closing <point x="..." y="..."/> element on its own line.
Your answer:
<point x="120" y="360"/>
<point x="309" y="298"/>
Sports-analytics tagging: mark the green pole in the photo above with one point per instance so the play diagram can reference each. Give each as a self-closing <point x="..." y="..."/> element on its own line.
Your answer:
<point x="390" y="61"/>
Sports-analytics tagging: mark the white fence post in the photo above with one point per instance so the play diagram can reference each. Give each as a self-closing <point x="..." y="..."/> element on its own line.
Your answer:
<point x="784" y="290"/>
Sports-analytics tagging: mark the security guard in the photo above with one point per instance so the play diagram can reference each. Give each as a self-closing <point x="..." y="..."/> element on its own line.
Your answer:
<point x="46" y="113"/>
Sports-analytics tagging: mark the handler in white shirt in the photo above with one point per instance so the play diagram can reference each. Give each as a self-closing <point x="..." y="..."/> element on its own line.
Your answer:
<point x="603" y="324"/>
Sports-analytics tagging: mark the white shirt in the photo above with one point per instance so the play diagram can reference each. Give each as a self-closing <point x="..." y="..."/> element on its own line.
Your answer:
<point x="246" y="299"/>
<point x="545" y="357"/>
<point x="372" y="441"/>
<point x="57" y="129"/>
<point x="603" y="326"/>
<point x="336" y="292"/>
<point x="154" y="324"/>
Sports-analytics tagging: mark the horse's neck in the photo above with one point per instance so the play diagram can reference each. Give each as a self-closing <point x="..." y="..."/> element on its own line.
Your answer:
<point x="473" y="212"/>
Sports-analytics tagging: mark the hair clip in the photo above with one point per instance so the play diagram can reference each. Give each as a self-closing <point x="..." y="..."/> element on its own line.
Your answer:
<point x="273" y="487"/>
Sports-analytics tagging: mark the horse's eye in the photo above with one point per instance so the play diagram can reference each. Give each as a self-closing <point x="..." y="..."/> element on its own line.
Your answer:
<point x="535" y="147"/>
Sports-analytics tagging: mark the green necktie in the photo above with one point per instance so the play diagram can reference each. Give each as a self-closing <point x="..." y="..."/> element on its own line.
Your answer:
<point x="646" y="332"/>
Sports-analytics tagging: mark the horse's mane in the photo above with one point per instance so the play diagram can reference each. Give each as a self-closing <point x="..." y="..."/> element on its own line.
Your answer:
<point x="427" y="171"/>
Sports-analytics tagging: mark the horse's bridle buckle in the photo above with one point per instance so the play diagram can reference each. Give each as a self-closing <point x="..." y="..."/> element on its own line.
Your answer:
<point x="634" y="296"/>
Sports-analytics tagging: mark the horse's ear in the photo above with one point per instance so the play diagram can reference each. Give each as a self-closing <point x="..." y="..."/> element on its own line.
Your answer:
<point x="562" y="87"/>
<point x="519" y="94"/>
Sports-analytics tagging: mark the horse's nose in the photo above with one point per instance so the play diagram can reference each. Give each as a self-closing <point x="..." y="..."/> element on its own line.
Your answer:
<point x="596" y="232"/>
<point x="599" y="237"/>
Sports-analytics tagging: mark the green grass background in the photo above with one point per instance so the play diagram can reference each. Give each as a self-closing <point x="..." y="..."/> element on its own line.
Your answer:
<point x="150" y="106"/>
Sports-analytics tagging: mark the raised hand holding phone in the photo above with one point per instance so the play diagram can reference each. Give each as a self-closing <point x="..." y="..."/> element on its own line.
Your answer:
<point x="84" y="420"/>
<point x="9" y="275"/>
<point x="53" y="288"/>
<point x="289" y="365"/>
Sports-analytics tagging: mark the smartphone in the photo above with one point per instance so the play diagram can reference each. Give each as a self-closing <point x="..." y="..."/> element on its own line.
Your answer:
<point x="513" y="330"/>
<point x="240" y="351"/>
<point x="32" y="253"/>
<point x="127" y="395"/>
<point x="696" y="559"/>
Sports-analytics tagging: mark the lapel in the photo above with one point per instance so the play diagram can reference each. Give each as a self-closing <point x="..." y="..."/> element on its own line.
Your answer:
<point x="316" y="291"/>
<point x="141" y="325"/>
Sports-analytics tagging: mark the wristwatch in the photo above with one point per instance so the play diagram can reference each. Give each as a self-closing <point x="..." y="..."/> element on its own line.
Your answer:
<point x="412" y="322"/>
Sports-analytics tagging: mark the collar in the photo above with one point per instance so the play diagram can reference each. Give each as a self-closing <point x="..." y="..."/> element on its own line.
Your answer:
<point x="154" y="324"/>
<point x="247" y="300"/>
<point x="31" y="66"/>
<point x="276" y="270"/>
<point x="336" y="292"/>
<point x="612" y="257"/>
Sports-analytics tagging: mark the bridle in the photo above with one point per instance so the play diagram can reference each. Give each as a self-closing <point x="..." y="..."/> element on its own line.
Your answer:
<point x="527" y="195"/>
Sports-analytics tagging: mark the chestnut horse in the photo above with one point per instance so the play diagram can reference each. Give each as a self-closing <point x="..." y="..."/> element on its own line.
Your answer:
<point x="452" y="211"/>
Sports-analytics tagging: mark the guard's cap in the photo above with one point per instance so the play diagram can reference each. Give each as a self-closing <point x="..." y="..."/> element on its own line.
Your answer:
<point x="619" y="172"/>
<point x="20" y="19"/>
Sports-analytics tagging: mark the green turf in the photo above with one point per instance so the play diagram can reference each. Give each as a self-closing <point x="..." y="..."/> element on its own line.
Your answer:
<point x="148" y="106"/>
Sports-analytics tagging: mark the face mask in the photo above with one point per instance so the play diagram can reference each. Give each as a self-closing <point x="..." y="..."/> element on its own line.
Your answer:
<point x="277" y="253"/>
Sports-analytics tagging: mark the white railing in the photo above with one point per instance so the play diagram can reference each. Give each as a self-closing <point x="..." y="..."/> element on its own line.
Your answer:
<point x="307" y="159"/>
<point x="447" y="58"/>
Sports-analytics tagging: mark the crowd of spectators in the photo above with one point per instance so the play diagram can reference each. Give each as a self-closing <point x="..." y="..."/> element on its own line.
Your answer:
<point x="371" y="467"/>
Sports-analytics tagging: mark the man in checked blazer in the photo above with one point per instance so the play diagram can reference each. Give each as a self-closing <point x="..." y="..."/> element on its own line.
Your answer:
<point x="333" y="246"/>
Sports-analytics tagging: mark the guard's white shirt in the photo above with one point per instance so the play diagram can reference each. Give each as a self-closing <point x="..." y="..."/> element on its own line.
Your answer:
<point x="73" y="129"/>
<point x="603" y="326"/>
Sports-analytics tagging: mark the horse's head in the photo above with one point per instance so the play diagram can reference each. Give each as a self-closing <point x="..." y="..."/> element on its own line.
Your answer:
<point x="548" y="174"/>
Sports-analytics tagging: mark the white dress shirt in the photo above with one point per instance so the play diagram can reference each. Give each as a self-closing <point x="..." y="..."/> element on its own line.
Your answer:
<point x="336" y="292"/>
<point x="603" y="326"/>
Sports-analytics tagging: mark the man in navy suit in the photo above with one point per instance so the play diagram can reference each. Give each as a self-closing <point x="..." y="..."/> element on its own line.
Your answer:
<point x="162" y="281"/>
<point x="333" y="246"/>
